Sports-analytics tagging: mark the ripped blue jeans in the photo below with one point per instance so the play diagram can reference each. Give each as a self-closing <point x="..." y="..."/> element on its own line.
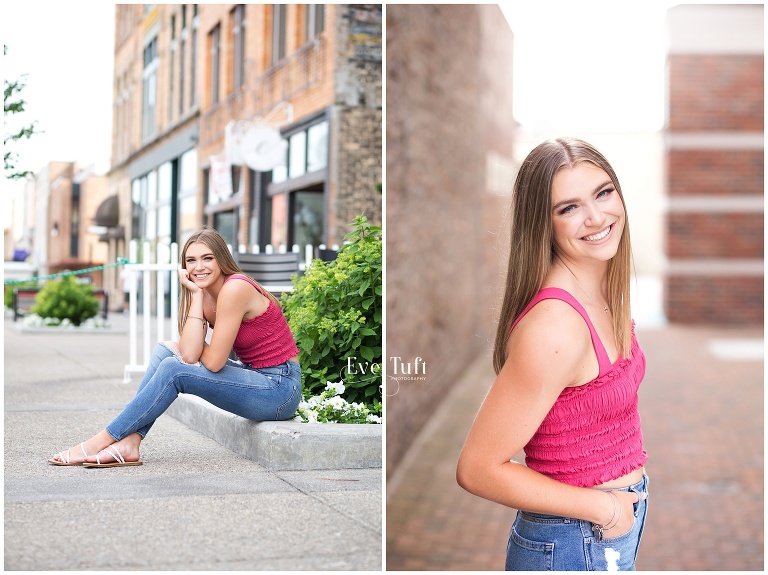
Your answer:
<point x="260" y="394"/>
<point x="540" y="542"/>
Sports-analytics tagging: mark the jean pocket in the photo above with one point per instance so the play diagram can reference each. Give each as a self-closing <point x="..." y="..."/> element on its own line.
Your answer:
<point x="527" y="555"/>
<point x="614" y="554"/>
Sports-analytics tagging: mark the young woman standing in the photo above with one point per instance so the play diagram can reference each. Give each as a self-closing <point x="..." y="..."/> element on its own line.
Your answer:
<point x="568" y="370"/>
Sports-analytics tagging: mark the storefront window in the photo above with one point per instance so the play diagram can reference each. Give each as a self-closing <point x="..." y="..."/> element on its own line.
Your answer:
<point x="317" y="150"/>
<point x="187" y="196"/>
<point x="226" y="224"/>
<point x="307" y="218"/>
<point x="297" y="165"/>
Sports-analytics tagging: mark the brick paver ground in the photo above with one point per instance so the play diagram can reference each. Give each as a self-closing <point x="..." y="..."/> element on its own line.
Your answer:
<point x="703" y="427"/>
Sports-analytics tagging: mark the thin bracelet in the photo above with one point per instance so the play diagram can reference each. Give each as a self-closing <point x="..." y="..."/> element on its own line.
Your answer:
<point x="205" y="323"/>
<point x="599" y="529"/>
<point x="621" y="510"/>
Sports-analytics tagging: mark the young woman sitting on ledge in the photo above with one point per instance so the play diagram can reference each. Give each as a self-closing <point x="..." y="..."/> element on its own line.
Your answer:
<point x="264" y="385"/>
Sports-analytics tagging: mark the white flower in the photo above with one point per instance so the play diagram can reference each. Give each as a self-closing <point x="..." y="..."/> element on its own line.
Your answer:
<point x="337" y="387"/>
<point x="373" y="418"/>
<point x="336" y="402"/>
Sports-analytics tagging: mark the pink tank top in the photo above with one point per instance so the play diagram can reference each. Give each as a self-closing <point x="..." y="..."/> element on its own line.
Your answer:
<point x="265" y="340"/>
<point x="592" y="433"/>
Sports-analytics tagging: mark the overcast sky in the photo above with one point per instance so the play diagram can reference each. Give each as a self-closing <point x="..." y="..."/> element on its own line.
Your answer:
<point x="594" y="66"/>
<point x="66" y="50"/>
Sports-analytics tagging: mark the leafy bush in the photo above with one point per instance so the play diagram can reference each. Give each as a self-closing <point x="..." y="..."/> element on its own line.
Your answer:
<point x="8" y="291"/>
<point x="335" y="314"/>
<point x="66" y="299"/>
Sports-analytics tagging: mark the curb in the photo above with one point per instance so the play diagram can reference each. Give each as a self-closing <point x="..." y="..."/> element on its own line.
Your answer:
<point x="51" y="330"/>
<point x="284" y="445"/>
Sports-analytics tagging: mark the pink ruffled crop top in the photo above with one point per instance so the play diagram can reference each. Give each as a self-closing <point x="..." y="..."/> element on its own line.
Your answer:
<point x="592" y="433"/>
<point x="265" y="340"/>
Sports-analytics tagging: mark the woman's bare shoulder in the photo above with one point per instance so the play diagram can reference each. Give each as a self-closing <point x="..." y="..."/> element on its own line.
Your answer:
<point x="553" y="335"/>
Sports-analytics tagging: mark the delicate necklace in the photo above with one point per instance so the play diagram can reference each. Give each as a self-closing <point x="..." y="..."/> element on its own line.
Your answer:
<point x="605" y="308"/>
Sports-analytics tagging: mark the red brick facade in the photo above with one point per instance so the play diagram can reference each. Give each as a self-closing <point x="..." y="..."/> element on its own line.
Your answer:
<point x="714" y="223"/>
<point x="715" y="92"/>
<point x="717" y="235"/>
<point x="715" y="172"/>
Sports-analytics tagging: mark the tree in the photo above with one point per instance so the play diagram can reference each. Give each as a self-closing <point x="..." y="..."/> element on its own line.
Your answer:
<point x="13" y="104"/>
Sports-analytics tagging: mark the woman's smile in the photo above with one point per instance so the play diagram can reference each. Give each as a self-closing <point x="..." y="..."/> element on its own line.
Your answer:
<point x="598" y="236"/>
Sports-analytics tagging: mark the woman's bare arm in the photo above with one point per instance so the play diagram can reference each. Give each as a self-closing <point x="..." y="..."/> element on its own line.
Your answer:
<point x="549" y="350"/>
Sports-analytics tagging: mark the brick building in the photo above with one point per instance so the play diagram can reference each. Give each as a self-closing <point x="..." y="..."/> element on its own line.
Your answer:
<point x="714" y="140"/>
<point x="449" y="175"/>
<point x="194" y="82"/>
<point x="60" y="202"/>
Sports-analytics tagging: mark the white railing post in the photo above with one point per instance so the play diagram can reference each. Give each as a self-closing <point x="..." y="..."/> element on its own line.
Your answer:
<point x="145" y="300"/>
<point x="130" y="277"/>
<point x="309" y="255"/>
<point x="146" y="268"/>
<point x="160" y="309"/>
<point x="268" y="249"/>
<point x="174" y="292"/>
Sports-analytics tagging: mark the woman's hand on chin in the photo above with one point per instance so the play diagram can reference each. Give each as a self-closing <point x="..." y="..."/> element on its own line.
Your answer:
<point x="186" y="281"/>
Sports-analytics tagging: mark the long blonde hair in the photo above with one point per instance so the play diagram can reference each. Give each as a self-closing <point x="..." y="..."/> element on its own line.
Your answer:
<point x="224" y="259"/>
<point x="532" y="249"/>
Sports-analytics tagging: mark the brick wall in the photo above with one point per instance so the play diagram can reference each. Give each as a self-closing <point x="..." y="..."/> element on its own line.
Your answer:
<point x="715" y="214"/>
<point x="716" y="92"/>
<point x="449" y="111"/>
<point x="715" y="172"/>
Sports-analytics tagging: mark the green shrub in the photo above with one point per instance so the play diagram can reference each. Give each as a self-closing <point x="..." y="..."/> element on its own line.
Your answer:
<point x="335" y="315"/>
<point x="8" y="291"/>
<point x="66" y="299"/>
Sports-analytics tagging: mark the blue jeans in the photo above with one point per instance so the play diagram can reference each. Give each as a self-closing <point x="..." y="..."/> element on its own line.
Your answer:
<point x="260" y="394"/>
<point x="540" y="542"/>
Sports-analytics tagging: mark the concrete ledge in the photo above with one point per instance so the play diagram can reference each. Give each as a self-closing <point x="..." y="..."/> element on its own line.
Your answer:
<point x="284" y="445"/>
<point x="19" y="327"/>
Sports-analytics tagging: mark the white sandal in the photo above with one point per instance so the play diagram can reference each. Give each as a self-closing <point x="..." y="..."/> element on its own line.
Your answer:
<point x="118" y="460"/>
<point x="66" y="460"/>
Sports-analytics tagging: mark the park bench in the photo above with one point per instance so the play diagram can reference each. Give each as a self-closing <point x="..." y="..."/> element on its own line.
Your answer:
<point x="24" y="298"/>
<point x="272" y="271"/>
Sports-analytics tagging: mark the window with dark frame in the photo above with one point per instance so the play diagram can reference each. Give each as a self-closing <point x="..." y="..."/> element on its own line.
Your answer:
<point x="278" y="32"/>
<point x="172" y="67"/>
<point x="215" y="39"/>
<point x="149" y="79"/>
<point x="182" y="49"/>
<point x="315" y="20"/>
<point x="193" y="60"/>
<point x="238" y="35"/>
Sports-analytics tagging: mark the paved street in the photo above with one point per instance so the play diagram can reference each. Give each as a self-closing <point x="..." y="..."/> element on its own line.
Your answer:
<point x="702" y="413"/>
<point x="193" y="505"/>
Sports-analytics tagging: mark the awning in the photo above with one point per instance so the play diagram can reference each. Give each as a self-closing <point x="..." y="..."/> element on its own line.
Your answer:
<point x="108" y="212"/>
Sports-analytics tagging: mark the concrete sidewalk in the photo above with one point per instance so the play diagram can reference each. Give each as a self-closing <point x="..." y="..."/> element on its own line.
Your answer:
<point x="193" y="505"/>
<point x="701" y="405"/>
